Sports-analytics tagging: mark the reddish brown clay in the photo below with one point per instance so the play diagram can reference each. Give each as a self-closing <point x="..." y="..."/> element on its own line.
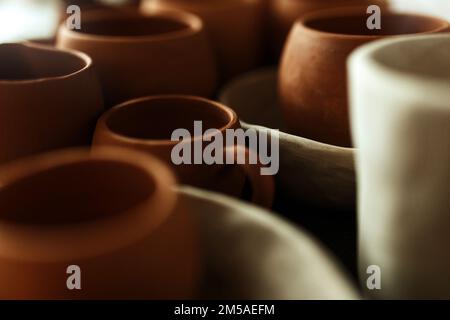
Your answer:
<point x="136" y="55"/>
<point x="147" y="125"/>
<point x="49" y="99"/>
<point x="313" y="78"/>
<point x="111" y="212"/>
<point x="283" y="13"/>
<point x="235" y="28"/>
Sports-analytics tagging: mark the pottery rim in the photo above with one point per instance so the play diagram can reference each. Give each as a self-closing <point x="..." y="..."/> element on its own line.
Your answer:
<point x="86" y="60"/>
<point x="368" y="60"/>
<point x="193" y="25"/>
<point x="103" y="121"/>
<point x="360" y="10"/>
<point x="218" y="4"/>
<point x="87" y="238"/>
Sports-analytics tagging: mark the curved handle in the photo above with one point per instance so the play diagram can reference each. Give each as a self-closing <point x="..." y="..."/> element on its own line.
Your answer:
<point x="263" y="186"/>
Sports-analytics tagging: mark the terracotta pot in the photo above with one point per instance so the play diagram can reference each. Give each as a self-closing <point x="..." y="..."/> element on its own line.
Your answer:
<point x="113" y="213"/>
<point x="283" y="13"/>
<point x="236" y="29"/>
<point x="147" y="125"/>
<point x="136" y="55"/>
<point x="313" y="79"/>
<point x="400" y="102"/>
<point x="49" y="99"/>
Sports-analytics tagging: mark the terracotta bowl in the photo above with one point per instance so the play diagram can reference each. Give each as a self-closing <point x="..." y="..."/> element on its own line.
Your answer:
<point x="283" y="13"/>
<point x="137" y="55"/>
<point x="111" y="212"/>
<point x="235" y="27"/>
<point x="147" y="124"/>
<point x="313" y="77"/>
<point x="49" y="99"/>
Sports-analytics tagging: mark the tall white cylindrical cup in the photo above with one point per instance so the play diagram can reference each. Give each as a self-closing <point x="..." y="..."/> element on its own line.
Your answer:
<point x="400" y="110"/>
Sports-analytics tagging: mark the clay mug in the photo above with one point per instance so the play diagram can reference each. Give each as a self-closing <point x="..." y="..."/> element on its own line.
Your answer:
<point x="49" y="99"/>
<point x="400" y="107"/>
<point x="235" y="27"/>
<point x="283" y="13"/>
<point x="147" y="124"/>
<point x="101" y="224"/>
<point x="137" y="55"/>
<point x="313" y="77"/>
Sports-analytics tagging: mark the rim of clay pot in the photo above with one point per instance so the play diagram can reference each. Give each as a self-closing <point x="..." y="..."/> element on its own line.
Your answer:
<point x="104" y="119"/>
<point x="368" y="59"/>
<point x="354" y="11"/>
<point x="192" y="25"/>
<point x="217" y="4"/>
<point x="84" y="60"/>
<point x="88" y="237"/>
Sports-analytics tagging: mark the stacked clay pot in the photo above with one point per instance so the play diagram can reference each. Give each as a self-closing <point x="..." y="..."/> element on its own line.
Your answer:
<point x="235" y="28"/>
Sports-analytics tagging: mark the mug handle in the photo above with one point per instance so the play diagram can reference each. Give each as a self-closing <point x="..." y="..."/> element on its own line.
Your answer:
<point x="263" y="186"/>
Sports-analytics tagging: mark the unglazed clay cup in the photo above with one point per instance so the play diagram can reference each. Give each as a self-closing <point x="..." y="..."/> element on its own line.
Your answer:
<point x="136" y="55"/>
<point x="113" y="213"/>
<point x="283" y="13"/>
<point x="400" y="107"/>
<point x="235" y="27"/>
<point x="147" y="125"/>
<point x="313" y="77"/>
<point x="49" y="99"/>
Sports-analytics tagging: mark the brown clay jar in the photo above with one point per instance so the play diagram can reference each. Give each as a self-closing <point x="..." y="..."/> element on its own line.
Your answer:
<point x="49" y="99"/>
<point x="137" y="55"/>
<point x="113" y="213"/>
<point x="283" y="13"/>
<point x="147" y="124"/>
<point x="313" y="77"/>
<point x="235" y="27"/>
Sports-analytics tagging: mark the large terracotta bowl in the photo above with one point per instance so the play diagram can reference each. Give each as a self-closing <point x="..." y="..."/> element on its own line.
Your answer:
<point x="113" y="213"/>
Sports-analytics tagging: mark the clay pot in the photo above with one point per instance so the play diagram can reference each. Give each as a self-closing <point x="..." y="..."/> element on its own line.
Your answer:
<point x="401" y="124"/>
<point x="283" y="13"/>
<point x="49" y="99"/>
<point x="147" y="125"/>
<point x="235" y="27"/>
<point x="312" y="79"/>
<point x="112" y="213"/>
<point x="136" y="55"/>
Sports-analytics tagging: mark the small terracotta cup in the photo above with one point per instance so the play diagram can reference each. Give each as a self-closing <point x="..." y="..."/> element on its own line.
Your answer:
<point x="235" y="27"/>
<point x="147" y="124"/>
<point x="136" y="55"/>
<point x="283" y="13"/>
<point x="313" y="77"/>
<point x="111" y="212"/>
<point x="49" y="99"/>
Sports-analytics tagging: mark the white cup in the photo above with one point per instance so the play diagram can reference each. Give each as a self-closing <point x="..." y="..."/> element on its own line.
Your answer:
<point x="400" y="110"/>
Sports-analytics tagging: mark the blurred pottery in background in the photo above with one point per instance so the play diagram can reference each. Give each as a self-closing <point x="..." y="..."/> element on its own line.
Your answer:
<point x="313" y="78"/>
<point x="244" y="244"/>
<point x="311" y="173"/>
<point x="147" y="124"/>
<point x="235" y="27"/>
<point x="400" y="103"/>
<point x="283" y="13"/>
<point x="136" y="55"/>
<point x="49" y="99"/>
<point x="123" y="226"/>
